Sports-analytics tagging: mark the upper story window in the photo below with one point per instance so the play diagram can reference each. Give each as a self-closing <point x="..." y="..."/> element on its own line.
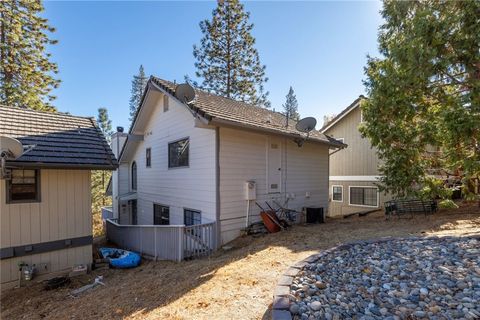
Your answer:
<point x="24" y="186"/>
<point x="178" y="153"/>
<point x="165" y="103"/>
<point x="148" y="157"/>
<point x="134" y="175"/>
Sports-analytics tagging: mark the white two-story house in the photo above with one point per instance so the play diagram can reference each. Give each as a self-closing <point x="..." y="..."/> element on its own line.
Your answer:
<point x="191" y="164"/>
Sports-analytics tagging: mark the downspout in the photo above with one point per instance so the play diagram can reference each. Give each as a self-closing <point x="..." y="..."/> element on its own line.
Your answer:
<point x="217" y="185"/>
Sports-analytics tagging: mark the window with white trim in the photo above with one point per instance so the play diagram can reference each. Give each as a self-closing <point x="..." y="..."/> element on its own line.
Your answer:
<point x="364" y="196"/>
<point x="337" y="193"/>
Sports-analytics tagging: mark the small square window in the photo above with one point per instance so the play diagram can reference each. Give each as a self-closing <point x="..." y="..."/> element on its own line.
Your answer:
<point x="148" y="157"/>
<point x="337" y="193"/>
<point x="24" y="186"/>
<point x="178" y="153"/>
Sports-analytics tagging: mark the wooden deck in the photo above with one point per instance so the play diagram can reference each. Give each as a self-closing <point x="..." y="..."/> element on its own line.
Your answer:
<point x="163" y="242"/>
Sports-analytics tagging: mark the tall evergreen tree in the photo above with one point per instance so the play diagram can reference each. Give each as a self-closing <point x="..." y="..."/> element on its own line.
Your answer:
<point x="100" y="178"/>
<point x="104" y="123"/>
<point x="139" y="83"/>
<point x="425" y="91"/>
<point x="26" y="72"/>
<point x="226" y="60"/>
<point x="291" y="105"/>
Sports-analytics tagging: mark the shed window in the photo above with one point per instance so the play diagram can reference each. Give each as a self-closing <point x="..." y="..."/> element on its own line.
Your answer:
<point x="134" y="175"/>
<point x="178" y="153"/>
<point x="148" y="157"/>
<point x="161" y="214"/>
<point x="192" y="217"/>
<point x="24" y="186"/>
<point x="165" y="103"/>
<point x="337" y="193"/>
<point x="364" y="196"/>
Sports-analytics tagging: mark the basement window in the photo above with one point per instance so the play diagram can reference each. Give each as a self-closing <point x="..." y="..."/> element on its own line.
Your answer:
<point x="24" y="186"/>
<point x="161" y="215"/>
<point x="191" y="217"/>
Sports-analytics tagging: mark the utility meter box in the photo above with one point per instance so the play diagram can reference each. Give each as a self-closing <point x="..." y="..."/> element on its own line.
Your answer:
<point x="250" y="190"/>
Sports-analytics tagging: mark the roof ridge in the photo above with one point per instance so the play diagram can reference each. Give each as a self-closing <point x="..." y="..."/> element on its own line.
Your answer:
<point x="342" y="113"/>
<point x="223" y="97"/>
<point x="57" y="113"/>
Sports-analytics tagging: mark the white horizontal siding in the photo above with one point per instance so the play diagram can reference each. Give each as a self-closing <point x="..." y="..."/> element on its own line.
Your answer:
<point x="178" y="188"/>
<point x="243" y="157"/>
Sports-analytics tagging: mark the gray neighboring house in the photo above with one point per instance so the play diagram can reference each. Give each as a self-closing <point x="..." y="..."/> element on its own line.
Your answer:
<point x="45" y="208"/>
<point x="354" y="170"/>
<point x="185" y="166"/>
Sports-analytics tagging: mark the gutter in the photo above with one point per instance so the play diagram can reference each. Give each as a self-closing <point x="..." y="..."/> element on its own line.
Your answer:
<point x="233" y="124"/>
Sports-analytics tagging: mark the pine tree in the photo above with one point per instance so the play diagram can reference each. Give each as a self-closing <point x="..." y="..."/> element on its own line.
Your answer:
<point x="26" y="72"/>
<point x="424" y="91"/>
<point x="291" y="105"/>
<point x="104" y="123"/>
<point x="226" y="60"/>
<point x="100" y="178"/>
<point x="139" y="83"/>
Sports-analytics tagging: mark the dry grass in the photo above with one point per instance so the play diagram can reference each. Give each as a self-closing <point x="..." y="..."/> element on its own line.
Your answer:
<point x="237" y="284"/>
<point x="98" y="230"/>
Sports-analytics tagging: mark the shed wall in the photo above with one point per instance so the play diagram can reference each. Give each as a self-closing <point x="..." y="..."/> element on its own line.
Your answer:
<point x="64" y="212"/>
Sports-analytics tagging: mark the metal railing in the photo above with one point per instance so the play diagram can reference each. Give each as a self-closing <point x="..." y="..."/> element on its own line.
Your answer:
<point x="170" y="242"/>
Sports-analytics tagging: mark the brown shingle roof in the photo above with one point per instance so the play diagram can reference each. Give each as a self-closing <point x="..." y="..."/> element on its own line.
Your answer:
<point x="59" y="140"/>
<point x="234" y="112"/>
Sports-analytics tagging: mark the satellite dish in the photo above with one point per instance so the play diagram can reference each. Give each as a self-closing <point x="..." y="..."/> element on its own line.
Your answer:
<point x="185" y="93"/>
<point x="306" y="124"/>
<point x="10" y="148"/>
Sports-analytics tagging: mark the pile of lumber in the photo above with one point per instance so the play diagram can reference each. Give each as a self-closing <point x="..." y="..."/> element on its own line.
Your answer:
<point x="101" y="264"/>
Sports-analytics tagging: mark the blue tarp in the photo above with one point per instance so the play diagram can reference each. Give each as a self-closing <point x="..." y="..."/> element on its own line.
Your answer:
<point x="119" y="258"/>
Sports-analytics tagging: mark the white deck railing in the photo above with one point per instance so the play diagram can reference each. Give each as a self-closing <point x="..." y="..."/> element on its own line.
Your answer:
<point x="171" y="242"/>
